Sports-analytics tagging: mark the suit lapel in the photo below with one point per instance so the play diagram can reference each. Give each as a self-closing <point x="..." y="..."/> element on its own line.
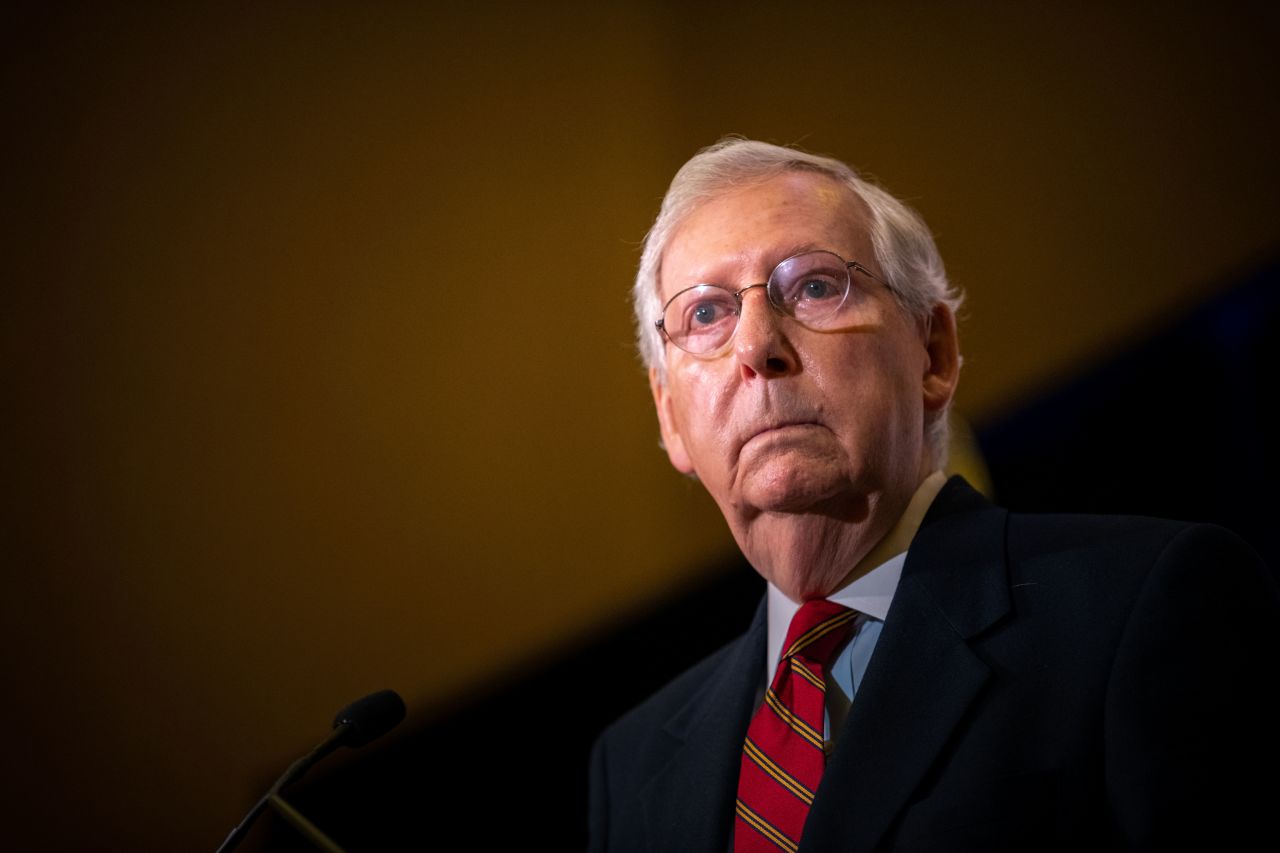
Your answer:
<point x="689" y="803"/>
<point x="923" y="674"/>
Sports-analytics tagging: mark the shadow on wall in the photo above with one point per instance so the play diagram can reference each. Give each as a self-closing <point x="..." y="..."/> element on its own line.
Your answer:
<point x="1173" y="427"/>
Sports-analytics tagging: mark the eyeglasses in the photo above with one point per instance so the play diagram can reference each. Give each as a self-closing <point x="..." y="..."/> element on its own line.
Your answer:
<point x="814" y="288"/>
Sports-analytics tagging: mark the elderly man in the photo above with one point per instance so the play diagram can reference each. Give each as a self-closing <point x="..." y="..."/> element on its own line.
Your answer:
<point x="928" y="671"/>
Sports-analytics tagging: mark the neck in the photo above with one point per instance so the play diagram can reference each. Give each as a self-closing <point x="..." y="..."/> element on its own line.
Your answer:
<point x="811" y="555"/>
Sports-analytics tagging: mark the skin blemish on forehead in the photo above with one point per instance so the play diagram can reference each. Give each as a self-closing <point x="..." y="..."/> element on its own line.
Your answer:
<point x="830" y="194"/>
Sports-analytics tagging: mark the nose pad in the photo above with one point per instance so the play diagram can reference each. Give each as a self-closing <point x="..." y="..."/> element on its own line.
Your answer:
<point x="759" y="342"/>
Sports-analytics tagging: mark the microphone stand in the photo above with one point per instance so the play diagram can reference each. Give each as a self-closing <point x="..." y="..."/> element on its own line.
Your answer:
<point x="272" y="798"/>
<point x="308" y="829"/>
<point x="356" y="725"/>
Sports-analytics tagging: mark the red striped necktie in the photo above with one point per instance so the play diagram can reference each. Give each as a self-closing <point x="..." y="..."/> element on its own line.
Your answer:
<point x="783" y="758"/>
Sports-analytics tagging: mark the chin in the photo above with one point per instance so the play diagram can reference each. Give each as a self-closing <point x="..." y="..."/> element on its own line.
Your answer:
<point x="803" y="494"/>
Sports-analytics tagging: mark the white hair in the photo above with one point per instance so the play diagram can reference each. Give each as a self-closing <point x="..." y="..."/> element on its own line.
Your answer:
<point x="903" y="246"/>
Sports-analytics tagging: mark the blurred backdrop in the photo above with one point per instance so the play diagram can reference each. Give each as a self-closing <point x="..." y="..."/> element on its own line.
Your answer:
<point x="318" y="374"/>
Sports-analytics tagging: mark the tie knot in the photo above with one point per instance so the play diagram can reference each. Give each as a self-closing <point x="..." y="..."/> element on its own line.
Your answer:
<point x="818" y="629"/>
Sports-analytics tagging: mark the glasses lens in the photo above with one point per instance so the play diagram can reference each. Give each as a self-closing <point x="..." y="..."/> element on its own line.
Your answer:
<point x="810" y="287"/>
<point x="701" y="318"/>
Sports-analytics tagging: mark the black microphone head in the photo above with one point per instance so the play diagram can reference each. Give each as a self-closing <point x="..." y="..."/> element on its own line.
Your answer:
<point x="371" y="717"/>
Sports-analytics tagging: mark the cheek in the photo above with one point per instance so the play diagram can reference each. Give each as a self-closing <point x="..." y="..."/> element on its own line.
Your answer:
<point x="700" y="406"/>
<point x="879" y="394"/>
<point x="700" y="398"/>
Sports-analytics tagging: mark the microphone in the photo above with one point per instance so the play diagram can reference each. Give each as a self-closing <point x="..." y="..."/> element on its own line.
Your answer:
<point x="371" y="717"/>
<point x="362" y="721"/>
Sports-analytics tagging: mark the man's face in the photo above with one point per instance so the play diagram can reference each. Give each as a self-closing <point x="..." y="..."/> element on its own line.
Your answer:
<point x="785" y="419"/>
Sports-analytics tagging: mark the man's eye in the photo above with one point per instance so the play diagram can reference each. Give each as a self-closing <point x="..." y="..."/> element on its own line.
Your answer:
<point x="706" y="313"/>
<point x="817" y="288"/>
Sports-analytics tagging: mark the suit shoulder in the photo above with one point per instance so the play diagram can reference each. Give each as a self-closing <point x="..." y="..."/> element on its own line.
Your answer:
<point x="1109" y="554"/>
<point x="1045" y="533"/>
<point x="1120" y="539"/>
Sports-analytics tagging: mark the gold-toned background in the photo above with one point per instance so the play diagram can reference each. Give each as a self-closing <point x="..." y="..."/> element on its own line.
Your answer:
<point x="317" y="357"/>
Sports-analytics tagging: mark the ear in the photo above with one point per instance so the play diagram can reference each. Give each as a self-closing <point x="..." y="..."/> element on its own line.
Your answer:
<point x="942" y="365"/>
<point x="671" y="438"/>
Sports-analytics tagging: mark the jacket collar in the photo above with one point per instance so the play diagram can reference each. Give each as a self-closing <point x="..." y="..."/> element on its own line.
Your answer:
<point x="923" y="674"/>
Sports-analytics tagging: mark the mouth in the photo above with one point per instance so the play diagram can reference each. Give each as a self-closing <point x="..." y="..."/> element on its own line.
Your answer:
<point x="782" y="426"/>
<point x="772" y="436"/>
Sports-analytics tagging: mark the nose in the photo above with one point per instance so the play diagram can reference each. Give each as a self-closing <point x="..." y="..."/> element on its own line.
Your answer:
<point x="761" y="347"/>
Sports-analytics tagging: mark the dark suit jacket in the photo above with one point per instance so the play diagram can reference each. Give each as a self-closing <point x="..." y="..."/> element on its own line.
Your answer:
<point x="1042" y="682"/>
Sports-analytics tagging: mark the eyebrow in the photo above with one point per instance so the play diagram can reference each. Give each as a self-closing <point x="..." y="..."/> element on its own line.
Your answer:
<point x="787" y="252"/>
<point x="799" y="249"/>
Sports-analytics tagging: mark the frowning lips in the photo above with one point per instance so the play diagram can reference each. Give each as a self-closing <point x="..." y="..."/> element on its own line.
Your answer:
<point x="779" y="424"/>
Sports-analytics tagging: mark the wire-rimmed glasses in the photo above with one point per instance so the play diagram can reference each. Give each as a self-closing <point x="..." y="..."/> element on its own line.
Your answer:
<point x="815" y="288"/>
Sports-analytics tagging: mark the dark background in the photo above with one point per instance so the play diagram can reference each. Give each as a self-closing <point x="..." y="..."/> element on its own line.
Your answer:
<point x="318" y="375"/>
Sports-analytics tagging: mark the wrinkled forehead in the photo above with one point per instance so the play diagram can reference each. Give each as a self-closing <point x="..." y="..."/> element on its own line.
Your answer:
<point x="736" y="237"/>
